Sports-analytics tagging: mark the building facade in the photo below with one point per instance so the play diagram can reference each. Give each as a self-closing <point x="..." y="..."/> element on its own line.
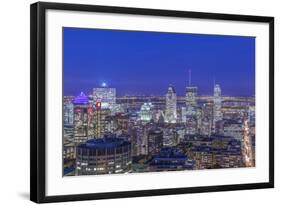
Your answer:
<point x="101" y="120"/>
<point x="171" y="106"/>
<point x="68" y="113"/>
<point x="146" y="113"/>
<point x="105" y="95"/>
<point x="106" y="155"/>
<point x="217" y="105"/>
<point x="83" y="119"/>
<point x="155" y="141"/>
<point x="191" y="96"/>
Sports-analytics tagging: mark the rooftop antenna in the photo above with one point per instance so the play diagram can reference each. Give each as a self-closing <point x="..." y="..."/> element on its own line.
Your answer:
<point x="214" y="81"/>
<point x="189" y="77"/>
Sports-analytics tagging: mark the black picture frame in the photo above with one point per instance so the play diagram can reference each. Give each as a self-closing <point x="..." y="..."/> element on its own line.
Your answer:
<point x="38" y="101"/>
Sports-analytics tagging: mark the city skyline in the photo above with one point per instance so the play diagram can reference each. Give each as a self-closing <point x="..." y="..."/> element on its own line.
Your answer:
<point x="94" y="57"/>
<point x="132" y="102"/>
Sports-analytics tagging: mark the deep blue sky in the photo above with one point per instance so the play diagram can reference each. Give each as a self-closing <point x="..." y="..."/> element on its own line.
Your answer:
<point x="147" y="62"/>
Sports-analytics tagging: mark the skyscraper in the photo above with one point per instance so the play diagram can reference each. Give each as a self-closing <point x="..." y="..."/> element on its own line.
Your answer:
<point x="83" y="121"/>
<point x="247" y="149"/>
<point x="105" y="95"/>
<point x="100" y="119"/>
<point x="171" y="106"/>
<point x="217" y="105"/>
<point x="191" y="120"/>
<point x="68" y="113"/>
<point x="252" y="115"/>
<point x="191" y="97"/>
<point x="183" y="114"/>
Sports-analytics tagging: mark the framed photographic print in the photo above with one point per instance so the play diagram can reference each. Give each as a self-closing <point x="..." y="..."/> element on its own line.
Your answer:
<point x="129" y="102"/>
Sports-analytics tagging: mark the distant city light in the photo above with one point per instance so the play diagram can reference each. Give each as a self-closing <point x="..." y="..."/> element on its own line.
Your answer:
<point x="103" y="84"/>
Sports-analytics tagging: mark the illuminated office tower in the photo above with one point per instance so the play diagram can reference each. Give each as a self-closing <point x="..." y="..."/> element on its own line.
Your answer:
<point x="191" y="119"/>
<point x="217" y="105"/>
<point x="171" y="106"/>
<point x="68" y="113"/>
<point x="105" y="95"/>
<point x="247" y="149"/>
<point x="101" y="120"/>
<point x="191" y="97"/>
<point x="145" y="113"/>
<point x="191" y="104"/>
<point x="252" y="116"/>
<point x="83" y="119"/>
<point x="183" y="114"/>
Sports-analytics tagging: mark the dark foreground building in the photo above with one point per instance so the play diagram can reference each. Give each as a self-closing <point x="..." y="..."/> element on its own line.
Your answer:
<point x="105" y="155"/>
<point x="171" y="159"/>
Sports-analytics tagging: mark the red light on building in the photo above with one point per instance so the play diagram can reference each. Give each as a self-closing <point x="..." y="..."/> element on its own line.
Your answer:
<point x="98" y="105"/>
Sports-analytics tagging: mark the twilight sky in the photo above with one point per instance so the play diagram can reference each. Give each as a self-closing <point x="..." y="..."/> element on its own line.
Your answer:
<point x="147" y="62"/>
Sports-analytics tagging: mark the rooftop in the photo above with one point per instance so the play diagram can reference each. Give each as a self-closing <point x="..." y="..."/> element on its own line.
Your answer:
<point x="170" y="153"/>
<point x="81" y="99"/>
<point x="105" y="142"/>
